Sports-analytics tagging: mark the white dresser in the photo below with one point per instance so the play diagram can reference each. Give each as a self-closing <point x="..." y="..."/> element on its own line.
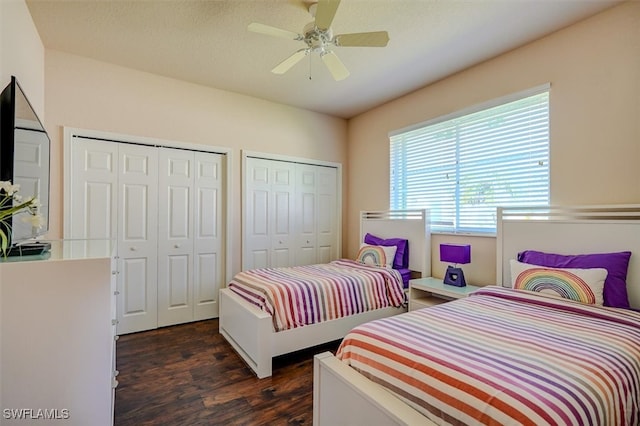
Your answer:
<point x="57" y="341"/>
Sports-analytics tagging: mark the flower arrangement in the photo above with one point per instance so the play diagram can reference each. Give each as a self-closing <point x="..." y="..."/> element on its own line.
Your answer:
<point x="11" y="204"/>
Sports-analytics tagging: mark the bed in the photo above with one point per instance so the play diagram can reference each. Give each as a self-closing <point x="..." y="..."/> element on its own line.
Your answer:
<point x="252" y="331"/>
<point x="593" y="376"/>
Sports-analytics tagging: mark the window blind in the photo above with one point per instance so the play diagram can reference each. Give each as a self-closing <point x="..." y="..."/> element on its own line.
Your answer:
<point x="462" y="168"/>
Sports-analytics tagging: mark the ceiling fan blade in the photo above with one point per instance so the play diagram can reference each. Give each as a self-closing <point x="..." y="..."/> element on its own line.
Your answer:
<point x="284" y="66"/>
<point x="335" y="65"/>
<point x="325" y="12"/>
<point x="273" y="31"/>
<point x="373" y="39"/>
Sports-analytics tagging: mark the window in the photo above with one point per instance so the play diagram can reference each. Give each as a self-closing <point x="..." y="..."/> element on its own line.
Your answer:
<point x="462" y="166"/>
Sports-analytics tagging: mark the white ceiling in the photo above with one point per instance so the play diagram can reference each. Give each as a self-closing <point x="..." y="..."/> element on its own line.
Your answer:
<point x="207" y="42"/>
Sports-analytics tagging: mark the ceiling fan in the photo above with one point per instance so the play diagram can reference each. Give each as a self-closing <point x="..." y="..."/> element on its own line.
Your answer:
<point x="319" y="38"/>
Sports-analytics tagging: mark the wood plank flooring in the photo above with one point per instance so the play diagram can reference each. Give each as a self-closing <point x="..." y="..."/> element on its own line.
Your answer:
<point x="189" y="375"/>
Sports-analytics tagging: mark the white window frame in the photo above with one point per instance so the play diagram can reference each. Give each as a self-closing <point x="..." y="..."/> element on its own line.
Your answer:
<point x="457" y="219"/>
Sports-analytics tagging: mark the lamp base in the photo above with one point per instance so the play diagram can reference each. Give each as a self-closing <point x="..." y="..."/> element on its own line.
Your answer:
<point x="454" y="276"/>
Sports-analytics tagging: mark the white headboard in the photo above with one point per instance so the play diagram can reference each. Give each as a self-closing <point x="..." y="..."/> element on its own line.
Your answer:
<point x="570" y="230"/>
<point x="412" y="225"/>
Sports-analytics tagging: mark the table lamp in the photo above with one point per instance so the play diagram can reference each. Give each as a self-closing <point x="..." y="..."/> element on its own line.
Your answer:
<point x="456" y="254"/>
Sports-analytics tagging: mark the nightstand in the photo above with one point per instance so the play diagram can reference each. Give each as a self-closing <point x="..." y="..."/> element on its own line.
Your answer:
<point x="425" y="292"/>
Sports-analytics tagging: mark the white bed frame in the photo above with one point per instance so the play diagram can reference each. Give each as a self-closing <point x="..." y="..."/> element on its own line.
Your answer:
<point x="571" y="230"/>
<point x="342" y="396"/>
<point x="250" y="330"/>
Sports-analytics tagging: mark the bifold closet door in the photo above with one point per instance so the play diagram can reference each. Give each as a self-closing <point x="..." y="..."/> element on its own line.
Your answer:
<point x="114" y="196"/>
<point x="175" y="236"/>
<point x="137" y="239"/>
<point x="94" y="189"/>
<point x="327" y="214"/>
<point x="268" y="214"/>
<point x="163" y="206"/>
<point x="189" y="248"/>
<point x="316" y="214"/>
<point x="208" y="243"/>
<point x="290" y="213"/>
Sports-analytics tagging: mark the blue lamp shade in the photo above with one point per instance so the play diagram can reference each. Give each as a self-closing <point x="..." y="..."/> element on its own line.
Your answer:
<point x="455" y="253"/>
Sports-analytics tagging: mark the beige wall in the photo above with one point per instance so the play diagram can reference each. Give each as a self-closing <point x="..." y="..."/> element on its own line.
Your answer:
<point x="21" y="52"/>
<point x="87" y="94"/>
<point x="594" y="71"/>
<point x="21" y="55"/>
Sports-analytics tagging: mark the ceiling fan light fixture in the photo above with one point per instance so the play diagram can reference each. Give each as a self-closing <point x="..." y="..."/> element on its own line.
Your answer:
<point x="319" y="37"/>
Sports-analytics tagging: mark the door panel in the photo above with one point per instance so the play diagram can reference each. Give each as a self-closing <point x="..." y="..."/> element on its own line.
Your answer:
<point x="208" y="241"/>
<point x="179" y="212"/>
<point x="175" y="236"/>
<point x="137" y="238"/>
<point x="94" y="189"/>
<point x="327" y="215"/>
<point x="281" y="213"/>
<point x="207" y="283"/>
<point x="179" y="269"/>
<point x="99" y="210"/>
<point x="135" y="300"/>
<point x="281" y="250"/>
<point x="256" y="239"/>
<point x="306" y="198"/>
<point x="135" y="211"/>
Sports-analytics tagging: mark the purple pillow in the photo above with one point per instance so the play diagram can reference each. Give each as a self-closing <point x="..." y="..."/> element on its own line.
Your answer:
<point x="401" y="260"/>
<point x="616" y="264"/>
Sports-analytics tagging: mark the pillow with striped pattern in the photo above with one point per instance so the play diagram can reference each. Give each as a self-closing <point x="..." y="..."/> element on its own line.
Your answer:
<point x="581" y="285"/>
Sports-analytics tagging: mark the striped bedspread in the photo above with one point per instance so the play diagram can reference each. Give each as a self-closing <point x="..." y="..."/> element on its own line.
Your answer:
<point x="504" y="357"/>
<point x="303" y="295"/>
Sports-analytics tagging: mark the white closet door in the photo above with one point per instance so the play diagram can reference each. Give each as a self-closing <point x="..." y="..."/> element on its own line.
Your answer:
<point x="257" y="238"/>
<point x="269" y="214"/>
<point x="306" y="214"/>
<point x="175" y="236"/>
<point x="316" y="214"/>
<point x="283" y="214"/>
<point x="257" y="191"/>
<point x="137" y="238"/>
<point x="94" y="188"/>
<point x="208" y="274"/>
<point x="327" y="214"/>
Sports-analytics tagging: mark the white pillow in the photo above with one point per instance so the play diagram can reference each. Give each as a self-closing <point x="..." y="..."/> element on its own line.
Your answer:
<point x="581" y="285"/>
<point x="376" y="255"/>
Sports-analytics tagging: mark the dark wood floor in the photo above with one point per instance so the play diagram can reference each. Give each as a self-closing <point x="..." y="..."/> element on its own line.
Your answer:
<point x="189" y="375"/>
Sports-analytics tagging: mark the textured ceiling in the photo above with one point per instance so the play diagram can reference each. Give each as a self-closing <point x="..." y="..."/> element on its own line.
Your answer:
<point x="207" y="42"/>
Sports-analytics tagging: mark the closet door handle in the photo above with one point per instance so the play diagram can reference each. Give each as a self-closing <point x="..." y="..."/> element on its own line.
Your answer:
<point x="176" y="246"/>
<point x="132" y="248"/>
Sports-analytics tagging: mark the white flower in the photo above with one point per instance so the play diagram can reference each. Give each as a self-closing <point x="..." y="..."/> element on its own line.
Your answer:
<point x="12" y="204"/>
<point x="8" y="188"/>
<point x="36" y="220"/>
